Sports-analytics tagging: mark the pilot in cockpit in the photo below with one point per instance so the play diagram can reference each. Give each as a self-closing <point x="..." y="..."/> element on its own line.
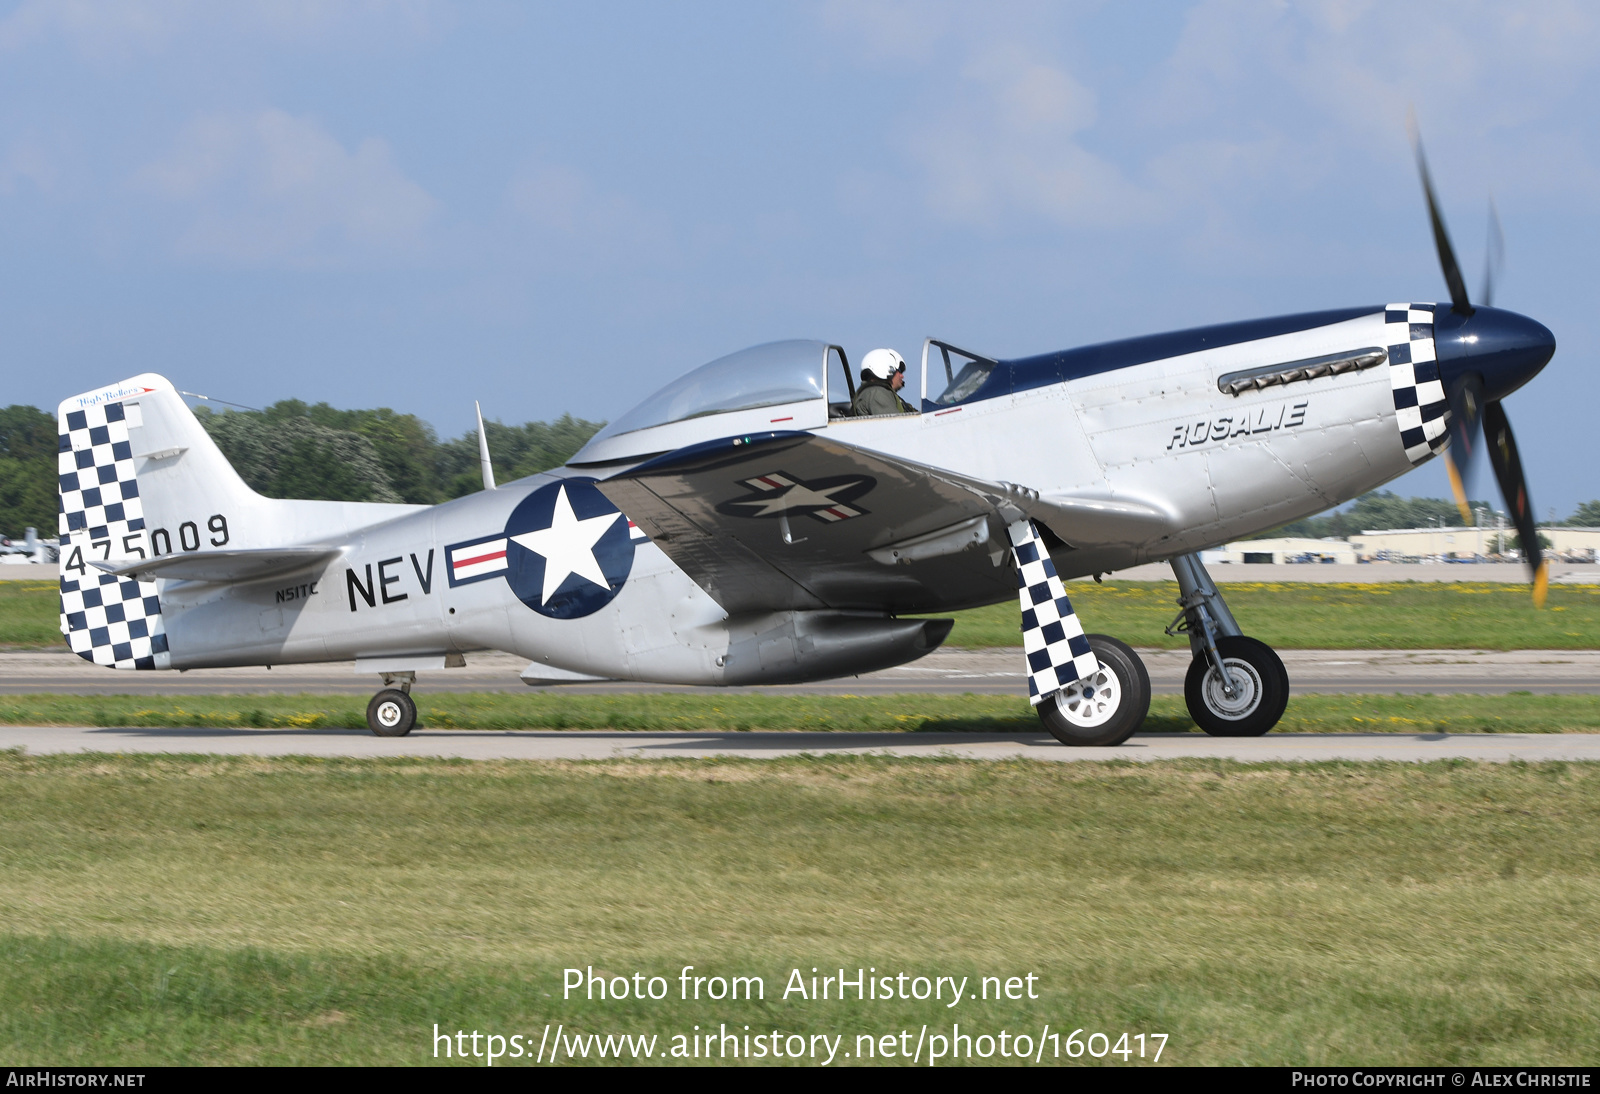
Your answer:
<point x="883" y="374"/>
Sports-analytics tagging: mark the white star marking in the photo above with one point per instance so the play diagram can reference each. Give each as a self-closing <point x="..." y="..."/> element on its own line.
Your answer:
<point x="796" y="497"/>
<point x="567" y="546"/>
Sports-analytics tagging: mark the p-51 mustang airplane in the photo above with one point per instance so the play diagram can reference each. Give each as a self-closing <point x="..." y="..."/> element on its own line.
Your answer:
<point x="738" y="527"/>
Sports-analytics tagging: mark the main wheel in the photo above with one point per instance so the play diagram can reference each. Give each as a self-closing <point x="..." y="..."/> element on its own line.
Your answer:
<point x="391" y="713"/>
<point x="1106" y="708"/>
<point x="1261" y="689"/>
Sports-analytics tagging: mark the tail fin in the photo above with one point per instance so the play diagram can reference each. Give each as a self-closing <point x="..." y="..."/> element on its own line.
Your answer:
<point x="141" y="478"/>
<point x="107" y="620"/>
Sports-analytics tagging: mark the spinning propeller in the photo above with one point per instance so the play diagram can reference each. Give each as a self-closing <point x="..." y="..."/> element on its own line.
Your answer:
<point x="1484" y="354"/>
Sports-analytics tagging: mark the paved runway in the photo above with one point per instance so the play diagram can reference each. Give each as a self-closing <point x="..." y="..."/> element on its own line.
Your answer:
<point x="947" y="671"/>
<point x="601" y="745"/>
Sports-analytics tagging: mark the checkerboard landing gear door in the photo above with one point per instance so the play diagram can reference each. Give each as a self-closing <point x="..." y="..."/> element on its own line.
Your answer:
<point x="1053" y="642"/>
<point x="109" y="620"/>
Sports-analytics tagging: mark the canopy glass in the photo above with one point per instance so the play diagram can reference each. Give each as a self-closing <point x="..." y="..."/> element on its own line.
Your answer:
<point x="772" y="374"/>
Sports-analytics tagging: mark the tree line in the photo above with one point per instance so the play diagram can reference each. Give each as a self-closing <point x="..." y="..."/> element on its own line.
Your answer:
<point x="293" y="449"/>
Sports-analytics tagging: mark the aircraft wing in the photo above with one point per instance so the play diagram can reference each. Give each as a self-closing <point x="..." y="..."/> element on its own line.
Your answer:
<point x="790" y="520"/>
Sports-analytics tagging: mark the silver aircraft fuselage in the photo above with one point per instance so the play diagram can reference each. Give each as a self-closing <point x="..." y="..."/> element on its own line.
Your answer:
<point x="1135" y="452"/>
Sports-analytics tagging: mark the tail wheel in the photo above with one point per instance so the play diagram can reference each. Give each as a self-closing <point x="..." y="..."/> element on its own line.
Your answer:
<point x="1261" y="689"/>
<point x="391" y="713"/>
<point x="1107" y="707"/>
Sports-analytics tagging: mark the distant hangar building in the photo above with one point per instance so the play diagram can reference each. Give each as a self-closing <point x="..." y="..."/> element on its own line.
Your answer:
<point x="1402" y="544"/>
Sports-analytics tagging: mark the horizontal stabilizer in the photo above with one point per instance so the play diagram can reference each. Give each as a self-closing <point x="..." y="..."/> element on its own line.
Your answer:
<point x="222" y="567"/>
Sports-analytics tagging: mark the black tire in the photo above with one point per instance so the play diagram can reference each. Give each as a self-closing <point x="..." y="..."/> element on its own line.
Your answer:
<point x="1263" y="689"/>
<point x="1116" y="708"/>
<point x="391" y="713"/>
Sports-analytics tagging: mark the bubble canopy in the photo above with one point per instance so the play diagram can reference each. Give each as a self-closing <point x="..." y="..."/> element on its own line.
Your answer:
<point x="754" y="384"/>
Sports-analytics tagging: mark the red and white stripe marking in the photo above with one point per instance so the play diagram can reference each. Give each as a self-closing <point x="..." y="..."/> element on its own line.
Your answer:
<point x="479" y="559"/>
<point x="635" y="533"/>
<point x="836" y="512"/>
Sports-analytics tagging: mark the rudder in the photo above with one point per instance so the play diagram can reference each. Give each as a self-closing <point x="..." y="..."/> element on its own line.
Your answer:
<point x="108" y="620"/>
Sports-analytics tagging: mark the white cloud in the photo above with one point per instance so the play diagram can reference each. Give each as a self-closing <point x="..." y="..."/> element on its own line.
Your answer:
<point x="1012" y="144"/>
<point x="1247" y="104"/>
<point x="115" y="30"/>
<point x="1347" y="70"/>
<point x="889" y="29"/>
<point x="270" y="187"/>
<point x="558" y="197"/>
<point x="96" y="29"/>
<point x="1001" y="131"/>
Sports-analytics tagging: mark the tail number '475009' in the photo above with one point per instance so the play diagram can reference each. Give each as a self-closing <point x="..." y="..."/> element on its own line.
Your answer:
<point x="160" y="542"/>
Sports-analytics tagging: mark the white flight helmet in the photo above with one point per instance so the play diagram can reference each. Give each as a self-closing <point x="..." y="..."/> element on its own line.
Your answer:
<point x="883" y="363"/>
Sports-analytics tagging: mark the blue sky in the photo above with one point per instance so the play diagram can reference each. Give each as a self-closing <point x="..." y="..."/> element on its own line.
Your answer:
<point x="560" y="207"/>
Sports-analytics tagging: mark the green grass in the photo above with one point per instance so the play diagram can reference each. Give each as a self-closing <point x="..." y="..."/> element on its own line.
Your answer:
<point x="1391" y="615"/>
<point x="1387" y="615"/>
<point x="250" y="910"/>
<point x="1309" y="713"/>
<point x="30" y="614"/>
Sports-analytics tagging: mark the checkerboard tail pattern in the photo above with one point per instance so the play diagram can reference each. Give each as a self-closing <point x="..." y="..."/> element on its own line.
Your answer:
<point x="1053" y="641"/>
<point x="108" y="620"/>
<point x="1420" y="408"/>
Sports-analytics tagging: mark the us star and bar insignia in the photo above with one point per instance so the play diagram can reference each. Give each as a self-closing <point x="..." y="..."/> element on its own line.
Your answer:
<point x="778" y="494"/>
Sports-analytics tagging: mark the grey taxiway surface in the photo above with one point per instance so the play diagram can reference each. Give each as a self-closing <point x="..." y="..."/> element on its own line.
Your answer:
<point x="946" y="671"/>
<point x="602" y="745"/>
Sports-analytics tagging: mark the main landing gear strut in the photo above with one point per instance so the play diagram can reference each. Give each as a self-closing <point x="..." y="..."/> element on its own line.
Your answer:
<point x="392" y="712"/>
<point x="1236" y="686"/>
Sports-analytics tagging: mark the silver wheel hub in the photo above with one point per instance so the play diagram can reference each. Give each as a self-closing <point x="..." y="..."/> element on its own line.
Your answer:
<point x="1247" y="690"/>
<point x="1092" y="701"/>
<point x="389" y="713"/>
